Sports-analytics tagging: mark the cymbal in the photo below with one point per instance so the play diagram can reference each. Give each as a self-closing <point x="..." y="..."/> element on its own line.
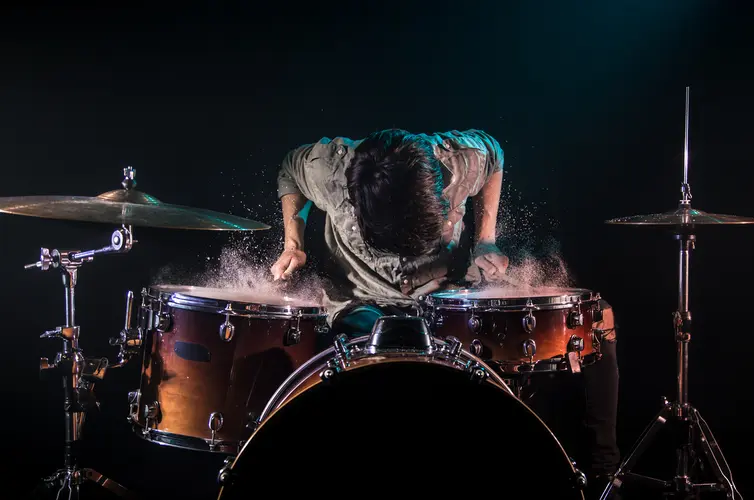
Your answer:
<point x="682" y="216"/>
<point x="127" y="207"/>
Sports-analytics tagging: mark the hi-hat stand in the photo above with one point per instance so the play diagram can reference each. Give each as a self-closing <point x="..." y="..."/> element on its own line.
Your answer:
<point x="693" y="432"/>
<point x="78" y="372"/>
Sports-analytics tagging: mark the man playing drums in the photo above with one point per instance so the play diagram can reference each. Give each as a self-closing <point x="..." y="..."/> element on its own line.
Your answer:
<point x="395" y="204"/>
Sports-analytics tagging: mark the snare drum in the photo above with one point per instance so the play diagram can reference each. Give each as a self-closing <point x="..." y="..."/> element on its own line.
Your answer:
<point x="399" y="413"/>
<point x="212" y="359"/>
<point x="547" y="330"/>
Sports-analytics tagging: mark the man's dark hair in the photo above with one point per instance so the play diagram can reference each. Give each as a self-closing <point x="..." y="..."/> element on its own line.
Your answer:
<point x="395" y="186"/>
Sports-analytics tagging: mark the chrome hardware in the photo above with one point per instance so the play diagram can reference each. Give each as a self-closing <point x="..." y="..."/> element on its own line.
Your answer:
<point x="94" y="369"/>
<point x="475" y="324"/>
<point x="341" y="353"/>
<point x="227" y="330"/>
<point x="293" y="334"/>
<point x="133" y="404"/>
<point x="163" y="322"/>
<point x="327" y="374"/>
<point x="454" y="346"/>
<point x="438" y="320"/>
<point x="476" y="347"/>
<point x="579" y="478"/>
<point x="530" y="306"/>
<point x="321" y="326"/>
<point x="215" y="423"/>
<point x="575" y="318"/>
<point x="151" y="412"/>
<point x="129" y="339"/>
<point x="597" y="312"/>
<point x="225" y="470"/>
<point x="478" y="373"/>
<point x="575" y="343"/>
<point x="530" y="348"/>
<point x="529" y="322"/>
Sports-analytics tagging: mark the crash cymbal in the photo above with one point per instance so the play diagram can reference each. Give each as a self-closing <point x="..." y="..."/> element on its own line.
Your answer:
<point x="682" y="216"/>
<point x="128" y="207"/>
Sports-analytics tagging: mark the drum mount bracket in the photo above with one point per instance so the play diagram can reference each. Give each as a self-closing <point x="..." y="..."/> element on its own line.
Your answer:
<point x="78" y="373"/>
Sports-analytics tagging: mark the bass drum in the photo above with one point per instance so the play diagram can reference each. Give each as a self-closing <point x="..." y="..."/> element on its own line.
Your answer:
<point x="399" y="411"/>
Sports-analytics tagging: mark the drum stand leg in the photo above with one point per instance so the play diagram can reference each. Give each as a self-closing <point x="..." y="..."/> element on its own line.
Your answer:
<point x="693" y="432"/>
<point x="78" y="375"/>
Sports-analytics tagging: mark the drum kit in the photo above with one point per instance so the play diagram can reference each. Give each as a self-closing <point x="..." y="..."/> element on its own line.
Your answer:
<point x="244" y="375"/>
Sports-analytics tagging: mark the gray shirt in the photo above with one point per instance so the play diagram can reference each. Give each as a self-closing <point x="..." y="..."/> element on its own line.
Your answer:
<point x="317" y="171"/>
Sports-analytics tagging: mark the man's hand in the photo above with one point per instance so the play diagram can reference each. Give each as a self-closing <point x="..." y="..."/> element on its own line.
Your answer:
<point x="287" y="263"/>
<point x="491" y="261"/>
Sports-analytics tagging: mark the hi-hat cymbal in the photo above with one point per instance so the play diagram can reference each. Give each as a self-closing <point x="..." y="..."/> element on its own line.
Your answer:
<point x="682" y="216"/>
<point x="128" y="207"/>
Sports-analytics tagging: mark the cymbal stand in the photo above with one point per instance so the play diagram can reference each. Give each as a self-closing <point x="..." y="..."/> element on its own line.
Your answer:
<point x="694" y="433"/>
<point x="79" y="373"/>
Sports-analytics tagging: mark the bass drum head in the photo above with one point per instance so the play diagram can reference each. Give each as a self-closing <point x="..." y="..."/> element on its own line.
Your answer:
<point x="403" y="426"/>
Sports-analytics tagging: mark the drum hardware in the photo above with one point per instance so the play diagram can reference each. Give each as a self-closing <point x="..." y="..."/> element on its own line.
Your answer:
<point x="680" y="413"/>
<point x="79" y="373"/>
<point x="575" y="317"/>
<point x="293" y="334"/>
<point x="400" y="332"/>
<point x="379" y="383"/>
<point x="215" y="424"/>
<point x="476" y="347"/>
<point x="227" y="330"/>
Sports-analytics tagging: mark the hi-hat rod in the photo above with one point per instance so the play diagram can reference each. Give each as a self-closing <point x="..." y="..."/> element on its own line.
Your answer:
<point x="685" y="188"/>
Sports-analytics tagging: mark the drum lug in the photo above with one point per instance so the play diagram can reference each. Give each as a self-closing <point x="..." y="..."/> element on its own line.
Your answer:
<point x="597" y="311"/>
<point x="227" y="330"/>
<point x="133" y="405"/>
<point x="474" y="324"/>
<point x="575" y="318"/>
<point x="293" y="334"/>
<point x="476" y="348"/>
<point x="530" y="349"/>
<point x="529" y="322"/>
<point x="163" y="322"/>
<point x="321" y="326"/>
<point x="215" y="423"/>
<point x="575" y="344"/>
<point x="151" y="412"/>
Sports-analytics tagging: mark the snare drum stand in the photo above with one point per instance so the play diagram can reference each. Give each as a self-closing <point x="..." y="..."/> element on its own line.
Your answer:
<point x="693" y="432"/>
<point x="78" y="373"/>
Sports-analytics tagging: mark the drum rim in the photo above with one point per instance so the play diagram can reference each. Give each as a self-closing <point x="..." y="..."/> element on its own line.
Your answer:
<point x="322" y="359"/>
<point x="166" y="294"/>
<point x="555" y="301"/>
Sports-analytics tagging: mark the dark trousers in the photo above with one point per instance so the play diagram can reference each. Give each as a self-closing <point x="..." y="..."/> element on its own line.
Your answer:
<point x="580" y="409"/>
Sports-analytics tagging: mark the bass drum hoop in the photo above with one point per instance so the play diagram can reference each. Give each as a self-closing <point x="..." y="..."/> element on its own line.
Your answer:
<point x="179" y="297"/>
<point x="294" y="381"/>
<point x="285" y="394"/>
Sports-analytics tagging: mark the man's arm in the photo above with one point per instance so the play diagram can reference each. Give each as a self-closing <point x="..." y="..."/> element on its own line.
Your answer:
<point x="296" y="209"/>
<point x="486" y="204"/>
<point x="295" y="213"/>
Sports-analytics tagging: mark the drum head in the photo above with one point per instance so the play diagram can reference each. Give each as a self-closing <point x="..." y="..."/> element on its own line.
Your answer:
<point x="398" y="426"/>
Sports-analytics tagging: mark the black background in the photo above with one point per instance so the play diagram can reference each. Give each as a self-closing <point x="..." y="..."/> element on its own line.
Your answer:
<point x="586" y="98"/>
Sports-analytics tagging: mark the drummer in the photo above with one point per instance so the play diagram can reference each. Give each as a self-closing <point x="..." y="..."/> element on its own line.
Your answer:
<point x="395" y="227"/>
<point x="395" y="204"/>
